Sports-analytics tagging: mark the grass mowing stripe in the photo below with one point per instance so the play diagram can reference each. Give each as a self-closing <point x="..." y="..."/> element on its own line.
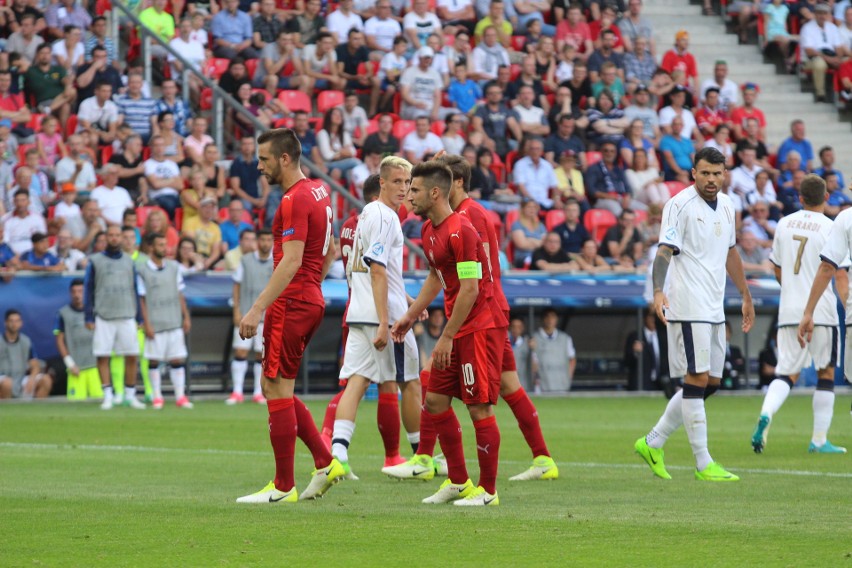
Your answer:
<point x="143" y="449"/>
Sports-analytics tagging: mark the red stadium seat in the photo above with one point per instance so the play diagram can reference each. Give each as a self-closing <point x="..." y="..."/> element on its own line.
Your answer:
<point x="598" y="222"/>
<point x="143" y="212"/>
<point x="518" y="42"/>
<point x="511" y="156"/>
<point x="328" y="100"/>
<point x="499" y="172"/>
<point x="514" y="72"/>
<point x="372" y="126"/>
<point x="675" y="187"/>
<point x="215" y="67"/>
<point x="511" y="217"/>
<point x="438" y="127"/>
<point x="178" y="218"/>
<point x="35" y="121"/>
<point x="641" y="215"/>
<point x="71" y="125"/>
<point x="554" y="218"/>
<point x="403" y="127"/>
<point x="593" y="158"/>
<point x="286" y="122"/>
<point x="106" y="153"/>
<point x="206" y="101"/>
<point x="264" y="92"/>
<point x="251" y="67"/>
<point x="22" y="151"/>
<point x="296" y="100"/>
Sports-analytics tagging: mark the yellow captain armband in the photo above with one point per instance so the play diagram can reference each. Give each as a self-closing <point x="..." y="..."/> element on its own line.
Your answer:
<point x="469" y="269"/>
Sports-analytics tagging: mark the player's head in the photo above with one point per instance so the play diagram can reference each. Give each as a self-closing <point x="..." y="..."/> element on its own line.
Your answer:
<point x="430" y="183"/>
<point x="278" y="150"/>
<point x="113" y="237"/>
<point x="128" y="239"/>
<point x="372" y="187"/>
<point x="76" y="289"/>
<point x="395" y="177"/>
<point x="812" y="191"/>
<point x="709" y="172"/>
<point x="264" y="242"/>
<point x="13" y="320"/>
<point x="549" y="319"/>
<point x="461" y="171"/>
<point x="155" y="243"/>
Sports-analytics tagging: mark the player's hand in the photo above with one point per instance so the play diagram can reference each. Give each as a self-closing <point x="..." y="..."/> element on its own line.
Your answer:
<point x="149" y="331"/>
<point x="748" y="314"/>
<point x="187" y="325"/>
<point x="90" y="326"/>
<point x="442" y="353"/>
<point x="424" y="315"/>
<point x="249" y="323"/>
<point x="806" y="329"/>
<point x="439" y="154"/>
<point x="661" y="303"/>
<point x="75" y="370"/>
<point x="381" y="339"/>
<point x="401" y="327"/>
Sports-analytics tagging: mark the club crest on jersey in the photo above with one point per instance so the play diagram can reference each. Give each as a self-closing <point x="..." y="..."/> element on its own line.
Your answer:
<point x="377" y="249"/>
<point x="717" y="228"/>
<point x="288" y="232"/>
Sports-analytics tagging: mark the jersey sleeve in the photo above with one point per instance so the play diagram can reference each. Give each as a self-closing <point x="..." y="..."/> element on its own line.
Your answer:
<point x="463" y="244"/>
<point x="238" y="274"/>
<point x="776" y="254"/>
<point x="294" y="226"/>
<point x="836" y="248"/>
<point x="376" y="238"/>
<point x="181" y="284"/>
<point x="59" y="325"/>
<point x="670" y="227"/>
<point x="140" y="285"/>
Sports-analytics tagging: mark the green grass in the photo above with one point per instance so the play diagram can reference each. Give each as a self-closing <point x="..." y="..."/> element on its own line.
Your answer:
<point x="82" y="487"/>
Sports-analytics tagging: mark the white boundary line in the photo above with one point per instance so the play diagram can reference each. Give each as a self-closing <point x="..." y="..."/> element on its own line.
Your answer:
<point x="201" y="451"/>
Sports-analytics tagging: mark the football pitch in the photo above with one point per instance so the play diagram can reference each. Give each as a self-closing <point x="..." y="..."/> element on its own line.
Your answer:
<point x="83" y="487"/>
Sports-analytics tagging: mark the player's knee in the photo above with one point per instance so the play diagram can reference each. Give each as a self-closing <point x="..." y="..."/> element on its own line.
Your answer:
<point x="509" y="383"/>
<point x="176" y="364"/>
<point x="240" y="354"/>
<point x="480" y="411"/>
<point x="388" y="388"/>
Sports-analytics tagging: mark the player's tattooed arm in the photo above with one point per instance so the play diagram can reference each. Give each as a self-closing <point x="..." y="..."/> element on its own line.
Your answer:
<point x="661" y="267"/>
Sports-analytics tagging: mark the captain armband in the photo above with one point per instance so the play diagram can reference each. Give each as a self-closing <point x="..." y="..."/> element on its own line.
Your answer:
<point x="469" y="269"/>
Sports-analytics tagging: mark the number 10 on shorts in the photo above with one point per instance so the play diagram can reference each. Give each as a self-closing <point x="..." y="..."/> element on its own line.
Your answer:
<point x="467" y="372"/>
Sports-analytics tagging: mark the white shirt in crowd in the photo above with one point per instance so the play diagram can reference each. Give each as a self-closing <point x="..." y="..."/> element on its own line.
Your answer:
<point x="18" y="232"/>
<point x="339" y="23"/>
<point x="96" y="115"/>
<point x="112" y="202"/>
<point x="419" y="147"/>
<point x="163" y="170"/>
<point x="383" y="30"/>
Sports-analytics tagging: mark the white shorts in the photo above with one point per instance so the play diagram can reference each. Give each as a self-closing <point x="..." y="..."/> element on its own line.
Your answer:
<point x="253" y="343"/>
<point x="397" y="362"/>
<point x="695" y="348"/>
<point x="166" y="346"/>
<point x="115" y="337"/>
<point x="847" y="362"/>
<point x="792" y="357"/>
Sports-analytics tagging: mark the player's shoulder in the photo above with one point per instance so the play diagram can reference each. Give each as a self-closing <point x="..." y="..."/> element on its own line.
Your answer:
<point x="684" y="197"/>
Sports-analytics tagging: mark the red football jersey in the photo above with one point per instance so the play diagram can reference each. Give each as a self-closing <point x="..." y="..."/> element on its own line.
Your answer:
<point x="304" y="215"/>
<point x="347" y="238"/>
<point x="477" y="216"/>
<point x="446" y="245"/>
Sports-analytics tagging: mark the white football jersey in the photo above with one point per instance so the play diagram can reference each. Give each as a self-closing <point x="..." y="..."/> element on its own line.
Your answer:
<point x="799" y="238"/>
<point x="701" y="236"/>
<point x="837" y="249"/>
<point x="378" y="239"/>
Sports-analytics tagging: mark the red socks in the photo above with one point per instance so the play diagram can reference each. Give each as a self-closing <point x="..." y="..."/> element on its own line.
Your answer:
<point x="387" y="417"/>
<point x="487" y="449"/>
<point x="527" y="417"/>
<point x="448" y="428"/>
<point x="428" y="436"/>
<point x="328" y="419"/>
<point x="309" y="434"/>
<point x="282" y="434"/>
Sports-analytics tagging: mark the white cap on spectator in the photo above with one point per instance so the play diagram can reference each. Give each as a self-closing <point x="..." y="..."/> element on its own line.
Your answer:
<point x="822" y="8"/>
<point x="425" y="51"/>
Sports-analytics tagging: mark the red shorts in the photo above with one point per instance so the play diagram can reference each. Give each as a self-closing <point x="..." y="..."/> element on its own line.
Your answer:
<point x="474" y="372"/>
<point x="287" y="330"/>
<point x="509" y="364"/>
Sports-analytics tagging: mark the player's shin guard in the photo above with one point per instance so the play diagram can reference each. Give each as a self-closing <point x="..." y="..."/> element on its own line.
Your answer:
<point x="823" y="405"/>
<point x="448" y="428"/>
<point x="527" y="417"/>
<point x="695" y="423"/>
<point x="671" y="420"/>
<point x="177" y="373"/>
<point x="428" y="435"/>
<point x="487" y="450"/>
<point x="282" y="434"/>
<point x="328" y="419"/>
<point x="309" y="434"/>
<point x="776" y="394"/>
<point x="387" y="418"/>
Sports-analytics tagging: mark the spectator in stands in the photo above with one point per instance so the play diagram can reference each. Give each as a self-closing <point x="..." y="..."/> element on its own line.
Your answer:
<point x="355" y="119"/>
<point x="677" y="109"/>
<point x="96" y="71"/>
<point x="788" y="195"/>
<point x="742" y="114"/>
<point x="529" y="10"/>
<point x="205" y="232"/>
<point x="605" y="54"/>
<point x="606" y="121"/>
<point x="421" y="142"/>
<point x="69" y="52"/>
<point x="39" y="258"/>
<point x="131" y="167"/>
<point x="232" y="32"/>
<point x="420" y="87"/>
<point x="791" y="164"/>
<point x="191" y="49"/>
<point x="569" y="180"/>
<point x="497" y="18"/>
<point x="727" y="89"/>
<point x="440" y="61"/>
<point x="245" y="180"/>
<point x="197" y="140"/>
<point x="161" y="23"/>
<point x="799" y="143"/>
<point x="17" y="9"/>
<point x="528" y="77"/>
<point x="535" y="176"/>
<point x="453" y="138"/>
<point x="98" y="38"/>
<point x="64" y="250"/>
<point x="606" y="22"/>
<point x="456" y="14"/>
<point x="527" y="233"/>
<point x="137" y="110"/>
<point x="49" y="144"/>
<point x="557" y="358"/>
<point x="23" y="373"/>
<point x="488" y="56"/>
<point x="634" y="26"/>
<point x="280" y="66"/>
<point x="640" y="108"/>
<point x="342" y="21"/>
<point x="634" y="140"/>
<point x="609" y="81"/>
<point x="821" y="42"/>
<point x="572" y="232"/>
<point x="76" y="168"/>
<point x="645" y="180"/>
<point x="574" y="31"/>
<point x="164" y="179"/>
<point x="382" y="28"/>
<point x="335" y="145"/>
<point x="483" y="182"/>
<point x="496" y="121"/>
<point x="307" y="137"/>
<point x="266" y="25"/>
<point x="306" y="26"/>
<point x="9" y="261"/>
<point x="531" y="119"/>
<point x="606" y="184"/>
<point x="589" y="260"/>
<point x="248" y="245"/>
<point x="759" y="224"/>
<point x="49" y="85"/>
<point x="214" y="176"/>
<point x="99" y="116"/>
<point x="21" y="224"/>
<point x="353" y="59"/>
<point x="420" y="23"/>
<point x="679" y="58"/>
<point x="546" y="62"/>
<point x="189" y="261"/>
<point x="678" y="152"/>
<point x="86" y="226"/>
<point x="562" y="140"/>
<point x="550" y="256"/>
<point x="639" y="65"/>
<point x="764" y="192"/>
<point x="755" y="258"/>
<point x="826" y="160"/>
<point x="775" y="14"/>
<point x="179" y="108"/>
<point x="40" y="184"/>
<point x="711" y="115"/>
<point x="65" y="13"/>
<point x="751" y="139"/>
<point x="463" y="92"/>
<point x="190" y="197"/>
<point x="320" y="64"/>
<point x="235" y="77"/>
<point x="158" y="224"/>
<point x="25" y="41"/>
<point x="624" y="241"/>
<point x="112" y="199"/>
<point x="232" y="227"/>
<point x="38" y="200"/>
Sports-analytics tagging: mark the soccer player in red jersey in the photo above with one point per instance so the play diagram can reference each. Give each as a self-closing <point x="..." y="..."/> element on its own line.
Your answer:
<point x="294" y="304"/>
<point x="466" y="360"/>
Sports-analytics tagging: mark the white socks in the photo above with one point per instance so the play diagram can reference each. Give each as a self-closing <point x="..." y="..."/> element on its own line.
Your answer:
<point x="238" y="375"/>
<point x="695" y="422"/>
<point x="108" y="393"/>
<point x="258" y="373"/>
<point x="156" y="381"/>
<point x="343" y="431"/>
<point x="671" y="420"/>
<point x="776" y="394"/>
<point x="129" y="392"/>
<point x="823" y="413"/>
<point x="178" y="377"/>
